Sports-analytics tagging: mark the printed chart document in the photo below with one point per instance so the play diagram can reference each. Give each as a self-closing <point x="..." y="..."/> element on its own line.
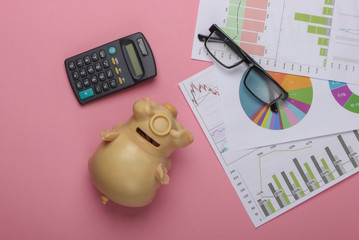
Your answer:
<point x="312" y="109"/>
<point x="310" y="38"/>
<point x="271" y="180"/>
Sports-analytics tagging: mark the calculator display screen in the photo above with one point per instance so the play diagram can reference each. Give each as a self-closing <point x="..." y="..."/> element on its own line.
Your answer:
<point x="134" y="59"/>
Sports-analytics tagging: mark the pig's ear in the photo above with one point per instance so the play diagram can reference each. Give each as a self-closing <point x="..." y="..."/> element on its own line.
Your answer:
<point x="181" y="137"/>
<point x="142" y="109"/>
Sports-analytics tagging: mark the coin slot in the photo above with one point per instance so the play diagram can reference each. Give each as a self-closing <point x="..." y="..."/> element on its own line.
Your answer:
<point x="147" y="138"/>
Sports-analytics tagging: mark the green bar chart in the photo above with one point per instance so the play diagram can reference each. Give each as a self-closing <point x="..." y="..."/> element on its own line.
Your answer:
<point x="319" y="25"/>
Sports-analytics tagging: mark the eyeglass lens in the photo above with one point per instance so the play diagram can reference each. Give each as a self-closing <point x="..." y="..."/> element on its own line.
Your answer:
<point x="221" y="51"/>
<point x="261" y="86"/>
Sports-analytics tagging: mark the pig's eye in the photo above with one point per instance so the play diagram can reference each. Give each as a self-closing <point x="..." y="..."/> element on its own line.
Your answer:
<point x="147" y="138"/>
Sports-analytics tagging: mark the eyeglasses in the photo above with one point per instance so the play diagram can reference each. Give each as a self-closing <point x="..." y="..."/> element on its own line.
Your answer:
<point x="257" y="81"/>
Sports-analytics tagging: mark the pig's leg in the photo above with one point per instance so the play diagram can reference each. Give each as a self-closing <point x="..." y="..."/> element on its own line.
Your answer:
<point x="109" y="135"/>
<point x="161" y="174"/>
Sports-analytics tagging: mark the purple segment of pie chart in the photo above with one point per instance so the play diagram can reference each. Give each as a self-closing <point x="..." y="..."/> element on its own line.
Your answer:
<point x="342" y="94"/>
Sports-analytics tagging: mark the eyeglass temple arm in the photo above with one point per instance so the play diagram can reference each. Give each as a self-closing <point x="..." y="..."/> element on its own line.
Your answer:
<point x="203" y="38"/>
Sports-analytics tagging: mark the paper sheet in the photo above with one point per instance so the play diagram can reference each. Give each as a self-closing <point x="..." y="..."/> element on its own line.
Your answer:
<point x="271" y="180"/>
<point x="310" y="38"/>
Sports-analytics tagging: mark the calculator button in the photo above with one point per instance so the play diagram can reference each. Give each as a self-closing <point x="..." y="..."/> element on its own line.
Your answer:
<point x="105" y="86"/>
<point x="79" y="62"/>
<point x="112" y="50"/>
<point x="82" y="72"/>
<point x="101" y="76"/>
<point x="113" y="61"/>
<point x="75" y="75"/>
<point x="86" y="82"/>
<point x="102" y="54"/>
<point x="94" y="79"/>
<point x="106" y="64"/>
<point x="90" y="69"/>
<point x="79" y="85"/>
<point x="113" y="83"/>
<point x="120" y="80"/>
<point x="98" y="67"/>
<point x="71" y="65"/>
<point x="87" y="60"/>
<point x="142" y="46"/>
<point x="86" y="93"/>
<point x="98" y="89"/>
<point x="109" y="73"/>
<point x="117" y="71"/>
<point x="94" y="57"/>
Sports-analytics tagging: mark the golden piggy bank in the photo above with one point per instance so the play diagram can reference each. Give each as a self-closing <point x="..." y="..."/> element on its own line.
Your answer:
<point x="132" y="161"/>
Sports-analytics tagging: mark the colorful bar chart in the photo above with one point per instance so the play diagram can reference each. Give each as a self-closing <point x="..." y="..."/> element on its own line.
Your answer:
<point x="315" y="178"/>
<point x="245" y="20"/>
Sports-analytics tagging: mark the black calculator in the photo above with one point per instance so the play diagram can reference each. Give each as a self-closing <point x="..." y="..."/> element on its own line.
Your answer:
<point x="110" y="68"/>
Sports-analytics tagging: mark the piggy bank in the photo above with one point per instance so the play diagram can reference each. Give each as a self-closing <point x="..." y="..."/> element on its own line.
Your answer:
<point x="133" y="159"/>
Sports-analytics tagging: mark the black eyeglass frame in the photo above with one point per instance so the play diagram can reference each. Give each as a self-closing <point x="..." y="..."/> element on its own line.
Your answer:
<point x="252" y="64"/>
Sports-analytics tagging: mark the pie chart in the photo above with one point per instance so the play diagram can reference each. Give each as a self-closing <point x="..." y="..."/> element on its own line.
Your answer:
<point x="290" y="111"/>
<point x="344" y="96"/>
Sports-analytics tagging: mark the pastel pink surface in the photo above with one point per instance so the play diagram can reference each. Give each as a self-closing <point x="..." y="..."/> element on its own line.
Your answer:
<point x="47" y="137"/>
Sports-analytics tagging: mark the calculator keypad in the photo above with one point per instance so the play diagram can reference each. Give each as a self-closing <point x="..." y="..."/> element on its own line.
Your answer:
<point x="93" y="73"/>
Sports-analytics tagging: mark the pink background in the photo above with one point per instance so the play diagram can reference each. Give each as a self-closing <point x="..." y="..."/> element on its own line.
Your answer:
<point x="47" y="137"/>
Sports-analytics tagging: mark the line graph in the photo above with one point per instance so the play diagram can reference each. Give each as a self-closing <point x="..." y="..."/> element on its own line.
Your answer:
<point x="201" y="92"/>
<point x="218" y="134"/>
<point x="354" y="32"/>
